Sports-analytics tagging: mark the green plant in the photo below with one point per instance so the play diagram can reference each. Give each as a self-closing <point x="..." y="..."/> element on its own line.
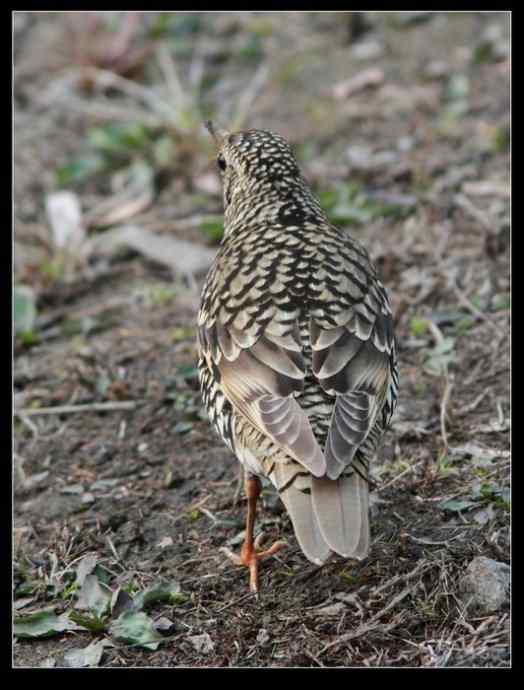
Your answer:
<point x="349" y="204"/>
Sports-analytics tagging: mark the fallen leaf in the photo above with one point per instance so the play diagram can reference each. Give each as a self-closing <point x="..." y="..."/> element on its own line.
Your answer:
<point x="42" y="624"/>
<point x="88" y="656"/>
<point x="34" y="479"/>
<point x="48" y="663"/>
<point x="263" y="636"/>
<point x="476" y="451"/>
<point x="72" y="490"/>
<point x="368" y="78"/>
<point x="181" y="256"/>
<point x="121" y="601"/>
<point x="487" y="188"/>
<point x="137" y="195"/>
<point x="456" y="506"/>
<point x="169" y="593"/>
<point x="208" y="182"/>
<point x="65" y="217"/>
<point x="22" y="602"/>
<point x="182" y="427"/>
<point x="202" y="643"/>
<point x="24" y="308"/>
<point x="88" y="621"/>
<point x="94" y="597"/>
<point x="367" y="50"/>
<point x="330" y="610"/>
<point x="136" y="627"/>
<point x="484" y="515"/>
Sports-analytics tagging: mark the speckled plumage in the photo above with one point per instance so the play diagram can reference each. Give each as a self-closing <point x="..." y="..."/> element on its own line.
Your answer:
<point x="297" y="355"/>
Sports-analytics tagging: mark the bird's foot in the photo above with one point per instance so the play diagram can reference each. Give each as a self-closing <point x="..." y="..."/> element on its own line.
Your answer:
<point x="251" y="555"/>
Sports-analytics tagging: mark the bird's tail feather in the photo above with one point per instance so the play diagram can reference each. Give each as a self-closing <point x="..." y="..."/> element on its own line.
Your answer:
<point x="341" y="510"/>
<point x="299" y="506"/>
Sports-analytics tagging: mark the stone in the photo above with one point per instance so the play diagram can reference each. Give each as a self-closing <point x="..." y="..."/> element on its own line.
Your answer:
<point x="485" y="586"/>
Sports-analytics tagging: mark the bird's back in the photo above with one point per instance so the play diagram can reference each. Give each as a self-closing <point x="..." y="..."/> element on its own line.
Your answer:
<point x="298" y="366"/>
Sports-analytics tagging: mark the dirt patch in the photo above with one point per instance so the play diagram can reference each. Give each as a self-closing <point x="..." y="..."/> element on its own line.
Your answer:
<point x="417" y="166"/>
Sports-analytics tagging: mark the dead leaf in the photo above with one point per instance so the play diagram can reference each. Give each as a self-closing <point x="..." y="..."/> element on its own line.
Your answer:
<point x="88" y="656"/>
<point x="330" y="610"/>
<point x="263" y="636"/>
<point x="164" y="542"/>
<point x="208" y="183"/>
<point x="202" y="643"/>
<point x="181" y="256"/>
<point x="23" y="602"/>
<point x="474" y="450"/>
<point x="367" y="50"/>
<point x="65" y="217"/>
<point x="366" y="79"/>
<point x="136" y="195"/>
<point x="487" y="188"/>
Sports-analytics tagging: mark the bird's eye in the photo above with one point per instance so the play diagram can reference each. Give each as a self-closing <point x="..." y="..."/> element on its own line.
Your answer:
<point x="221" y="162"/>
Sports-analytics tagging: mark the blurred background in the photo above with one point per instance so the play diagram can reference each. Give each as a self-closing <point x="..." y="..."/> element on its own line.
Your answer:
<point x="401" y="122"/>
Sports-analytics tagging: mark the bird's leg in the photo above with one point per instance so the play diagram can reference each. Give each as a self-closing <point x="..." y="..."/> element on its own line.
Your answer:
<point x="250" y="554"/>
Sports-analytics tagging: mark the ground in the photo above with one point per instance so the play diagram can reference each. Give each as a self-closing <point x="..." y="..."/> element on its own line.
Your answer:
<point x="401" y="123"/>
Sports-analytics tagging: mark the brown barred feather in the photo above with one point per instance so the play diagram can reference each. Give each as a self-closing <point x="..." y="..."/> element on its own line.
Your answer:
<point x="297" y="362"/>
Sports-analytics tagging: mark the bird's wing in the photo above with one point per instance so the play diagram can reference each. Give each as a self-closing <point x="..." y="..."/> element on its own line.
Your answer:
<point x="355" y="361"/>
<point x="259" y="374"/>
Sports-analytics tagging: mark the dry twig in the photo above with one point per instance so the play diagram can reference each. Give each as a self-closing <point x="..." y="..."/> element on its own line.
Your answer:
<point x="70" y="409"/>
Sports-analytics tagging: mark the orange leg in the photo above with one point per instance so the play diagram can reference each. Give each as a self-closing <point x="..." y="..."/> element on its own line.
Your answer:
<point x="250" y="554"/>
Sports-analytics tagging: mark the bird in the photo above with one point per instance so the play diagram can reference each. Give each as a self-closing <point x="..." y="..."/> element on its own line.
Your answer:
<point x="296" y="352"/>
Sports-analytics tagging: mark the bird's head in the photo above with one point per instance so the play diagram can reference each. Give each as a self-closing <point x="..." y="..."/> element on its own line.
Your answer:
<point x="255" y="164"/>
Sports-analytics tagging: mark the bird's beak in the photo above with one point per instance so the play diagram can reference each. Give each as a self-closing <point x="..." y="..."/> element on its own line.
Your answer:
<point x="219" y="135"/>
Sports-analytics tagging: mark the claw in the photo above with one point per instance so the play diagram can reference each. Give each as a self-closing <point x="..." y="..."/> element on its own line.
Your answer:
<point x="250" y="553"/>
<point x="251" y="556"/>
<point x="232" y="556"/>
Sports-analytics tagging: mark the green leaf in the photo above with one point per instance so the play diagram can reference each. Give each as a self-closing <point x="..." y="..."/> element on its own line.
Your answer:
<point x="88" y="656"/>
<point x="104" y="576"/>
<point x="135" y="627"/>
<point x="79" y="170"/>
<point x="188" y="373"/>
<point x="454" y="506"/>
<point x="440" y="357"/>
<point x="501" y="302"/>
<point x="483" y="52"/>
<point x="88" y="621"/>
<point x="182" y="24"/>
<point x="42" y="624"/>
<point x="419" y="326"/>
<point x="464" y="325"/>
<point x="252" y="49"/>
<point x="167" y="593"/>
<point x="164" y="150"/>
<point x="183" y="427"/>
<point x="501" y="139"/>
<point x="458" y="87"/>
<point x="214" y="229"/>
<point x="495" y="492"/>
<point x="119" y="138"/>
<point x="348" y="203"/>
<point x="27" y="588"/>
<point x="94" y="597"/>
<point x="24" y="307"/>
